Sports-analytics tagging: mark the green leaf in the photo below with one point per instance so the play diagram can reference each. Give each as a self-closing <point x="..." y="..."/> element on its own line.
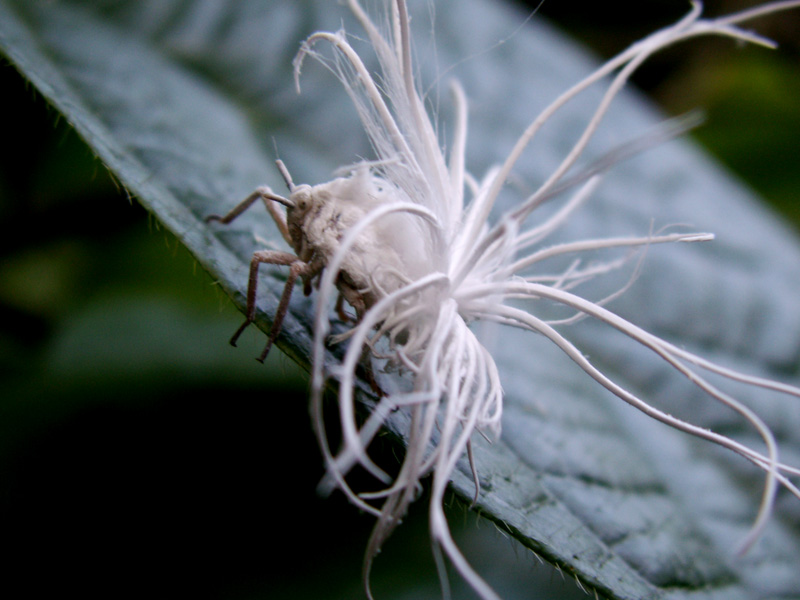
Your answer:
<point x="187" y="102"/>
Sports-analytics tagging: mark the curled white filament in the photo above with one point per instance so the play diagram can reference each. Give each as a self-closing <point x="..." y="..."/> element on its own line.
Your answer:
<point x="477" y="263"/>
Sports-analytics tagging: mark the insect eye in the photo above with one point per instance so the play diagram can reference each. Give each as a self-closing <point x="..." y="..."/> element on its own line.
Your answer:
<point x="301" y="200"/>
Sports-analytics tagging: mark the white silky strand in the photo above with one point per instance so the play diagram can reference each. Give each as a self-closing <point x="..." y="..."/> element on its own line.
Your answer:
<point x="419" y="261"/>
<point x="481" y="254"/>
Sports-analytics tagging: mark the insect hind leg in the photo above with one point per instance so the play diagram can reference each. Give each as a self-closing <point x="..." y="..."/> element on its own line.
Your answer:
<point x="297" y="269"/>
<point x="271" y="257"/>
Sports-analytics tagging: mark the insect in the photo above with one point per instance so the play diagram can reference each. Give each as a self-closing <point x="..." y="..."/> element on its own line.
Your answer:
<point x="314" y="225"/>
<point x="411" y="242"/>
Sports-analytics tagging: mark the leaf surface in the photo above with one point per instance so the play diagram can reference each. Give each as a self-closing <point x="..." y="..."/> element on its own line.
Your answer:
<point x="187" y="102"/>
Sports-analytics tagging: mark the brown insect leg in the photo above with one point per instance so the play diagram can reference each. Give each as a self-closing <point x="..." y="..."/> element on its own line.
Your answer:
<point x="271" y="257"/>
<point x="298" y="269"/>
<point x="269" y="198"/>
<point x="295" y="270"/>
<point x="474" y="469"/>
<point x="340" y="311"/>
<point x="280" y="220"/>
<point x="369" y="375"/>
<point x="358" y="300"/>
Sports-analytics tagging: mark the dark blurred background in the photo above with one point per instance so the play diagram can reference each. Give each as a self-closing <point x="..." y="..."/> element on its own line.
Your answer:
<point x="140" y="454"/>
<point x="750" y="97"/>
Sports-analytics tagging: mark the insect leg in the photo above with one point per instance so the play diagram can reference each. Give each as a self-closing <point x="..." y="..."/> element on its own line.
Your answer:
<point x="266" y="195"/>
<point x="474" y="469"/>
<point x="359" y="301"/>
<point x="340" y="311"/>
<point x="280" y="220"/>
<point x="369" y="374"/>
<point x="349" y="292"/>
<point x="297" y="269"/>
<point x="270" y="257"/>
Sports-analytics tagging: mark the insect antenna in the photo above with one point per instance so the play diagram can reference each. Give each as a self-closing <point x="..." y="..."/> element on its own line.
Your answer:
<point x="287" y="177"/>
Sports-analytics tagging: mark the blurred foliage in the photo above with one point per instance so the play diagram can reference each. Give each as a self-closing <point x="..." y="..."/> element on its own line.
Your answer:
<point x="132" y="435"/>
<point x="749" y="99"/>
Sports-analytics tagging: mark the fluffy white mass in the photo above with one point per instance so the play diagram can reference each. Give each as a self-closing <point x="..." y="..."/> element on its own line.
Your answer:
<point x="413" y="242"/>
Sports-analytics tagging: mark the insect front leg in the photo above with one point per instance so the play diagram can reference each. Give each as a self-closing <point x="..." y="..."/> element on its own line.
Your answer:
<point x="266" y="195"/>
